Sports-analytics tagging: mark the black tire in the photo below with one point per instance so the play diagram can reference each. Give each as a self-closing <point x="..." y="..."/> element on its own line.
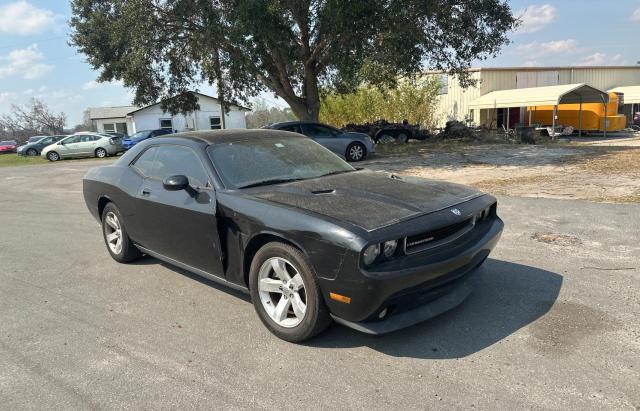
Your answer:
<point x="402" y="138"/>
<point x="356" y="152"/>
<point x="316" y="318"/>
<point x="32" y="152"/>
<point x="385" y="138"/>
<point x="128" y="251"/>
<point x="53" y="156"/>
<point x="101" y="153"/>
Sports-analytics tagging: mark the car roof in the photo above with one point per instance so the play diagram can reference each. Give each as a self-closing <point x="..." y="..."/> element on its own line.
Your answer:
<point x="229" y="136"/>
<point x="294" y="122"/>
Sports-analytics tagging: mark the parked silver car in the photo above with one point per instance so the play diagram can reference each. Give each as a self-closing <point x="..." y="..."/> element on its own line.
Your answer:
<point x="352" y="146"/>
<point x="84" y="145"/>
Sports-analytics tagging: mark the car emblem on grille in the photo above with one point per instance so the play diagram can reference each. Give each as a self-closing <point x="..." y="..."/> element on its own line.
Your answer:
<point x="456" y="211"/>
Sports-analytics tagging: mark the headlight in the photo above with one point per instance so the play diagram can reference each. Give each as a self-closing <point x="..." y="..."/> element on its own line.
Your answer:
<point x="389" y="248"/>
<point x="370" y="254"/>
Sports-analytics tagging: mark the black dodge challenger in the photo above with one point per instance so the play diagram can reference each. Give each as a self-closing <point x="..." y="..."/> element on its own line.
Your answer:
<point x="310" y="237"/>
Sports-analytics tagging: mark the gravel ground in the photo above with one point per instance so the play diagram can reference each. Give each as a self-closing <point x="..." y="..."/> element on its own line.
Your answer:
<point x="595" y="170"/>
<point x="553" y="322"/>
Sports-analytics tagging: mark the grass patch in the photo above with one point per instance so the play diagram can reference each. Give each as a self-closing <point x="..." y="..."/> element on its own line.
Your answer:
<point x="14" y="160"/>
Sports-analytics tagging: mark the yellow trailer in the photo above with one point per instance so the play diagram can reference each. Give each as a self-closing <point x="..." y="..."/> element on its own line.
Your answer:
<point x="593" y="115"/>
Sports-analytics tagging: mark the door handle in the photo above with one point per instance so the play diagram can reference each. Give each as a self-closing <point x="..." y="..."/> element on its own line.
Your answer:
<point x="146" y="192"/>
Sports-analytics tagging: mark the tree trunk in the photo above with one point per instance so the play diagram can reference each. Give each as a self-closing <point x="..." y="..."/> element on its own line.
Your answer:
<point x="300" y="107"/>
<point x="221" y="90"/>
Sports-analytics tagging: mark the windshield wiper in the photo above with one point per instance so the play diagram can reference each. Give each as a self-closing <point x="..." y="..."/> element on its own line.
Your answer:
<point x="271" y="181"/>
<point x="336" y="172"/>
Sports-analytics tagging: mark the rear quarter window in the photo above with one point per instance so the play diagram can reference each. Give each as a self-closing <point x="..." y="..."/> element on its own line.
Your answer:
<point x="144" y="164"/>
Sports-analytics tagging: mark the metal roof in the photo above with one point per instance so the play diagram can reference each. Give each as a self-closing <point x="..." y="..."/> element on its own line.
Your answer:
<point x="96" y="113"/>
<point x="631" y="94"/>
<point x="540" y="96"/>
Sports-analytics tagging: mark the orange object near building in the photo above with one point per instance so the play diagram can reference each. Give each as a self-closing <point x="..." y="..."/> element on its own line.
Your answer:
<point x="593" y="115"/>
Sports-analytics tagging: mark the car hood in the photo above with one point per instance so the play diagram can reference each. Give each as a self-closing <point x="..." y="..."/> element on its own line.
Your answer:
<point x="368" y="199"/>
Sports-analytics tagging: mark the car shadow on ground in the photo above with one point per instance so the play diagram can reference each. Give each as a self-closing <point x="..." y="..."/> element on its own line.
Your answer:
<point x="506" y="297"/>
<point x="148" y="260"/>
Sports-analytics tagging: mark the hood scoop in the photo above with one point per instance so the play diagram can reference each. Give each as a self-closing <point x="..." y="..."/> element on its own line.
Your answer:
<point x="325" y="191"/>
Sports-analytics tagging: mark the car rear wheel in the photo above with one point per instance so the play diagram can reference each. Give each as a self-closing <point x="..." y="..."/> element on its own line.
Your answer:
<point x="53" y="156"/>
<point x="356" y="152"/>
<point x="402" y="138"/>
<point x="115" y="236"/>
<point x="32" y="152"/>
<point x="101" y="153"/>
<point x="285" y="293"/>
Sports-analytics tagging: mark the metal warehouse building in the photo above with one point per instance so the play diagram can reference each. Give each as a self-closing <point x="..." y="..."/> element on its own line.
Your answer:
<point x="473" y="104"/>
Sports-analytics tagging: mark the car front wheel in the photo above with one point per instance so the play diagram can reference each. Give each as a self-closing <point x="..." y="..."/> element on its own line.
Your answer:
<point x="53" y="156"/>
<point x="356" y="152"/>
<point x="115" y="236"/>
<point x="32" y="152"/>
<point x="285" y="293"/>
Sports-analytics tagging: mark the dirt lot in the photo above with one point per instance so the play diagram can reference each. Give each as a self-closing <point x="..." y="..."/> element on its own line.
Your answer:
<point x="603" y="171"/>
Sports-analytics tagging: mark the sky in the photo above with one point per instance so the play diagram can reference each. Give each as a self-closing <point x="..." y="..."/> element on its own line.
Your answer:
<point x="37" y="61"/>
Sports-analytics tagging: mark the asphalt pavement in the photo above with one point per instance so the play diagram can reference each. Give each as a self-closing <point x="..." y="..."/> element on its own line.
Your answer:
<point x="553" y="322"/>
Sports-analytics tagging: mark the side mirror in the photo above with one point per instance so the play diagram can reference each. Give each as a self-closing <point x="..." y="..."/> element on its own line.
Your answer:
<point x="175" y="183"/>
<point x="61" y="143"/>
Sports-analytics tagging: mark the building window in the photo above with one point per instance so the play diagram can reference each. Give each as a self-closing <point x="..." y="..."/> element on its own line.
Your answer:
<point x="444" y="84"/>
<point x="166" y="124"/>
<point x="115" y="128"/>
<point x="215" y="123"/>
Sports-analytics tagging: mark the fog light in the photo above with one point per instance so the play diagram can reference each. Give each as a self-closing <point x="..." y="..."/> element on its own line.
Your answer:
<point x="390" y="248"/>
<point x="382" y="314"/>
<point x="371" y="253"/>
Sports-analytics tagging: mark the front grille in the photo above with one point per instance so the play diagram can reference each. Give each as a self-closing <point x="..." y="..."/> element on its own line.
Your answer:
<point x="432" y="238"/>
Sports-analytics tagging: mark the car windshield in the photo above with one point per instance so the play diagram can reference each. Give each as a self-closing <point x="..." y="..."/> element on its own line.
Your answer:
<point x="140" y="135"/>
<point x="273" y="160"/>
<point x="34" y="139"/>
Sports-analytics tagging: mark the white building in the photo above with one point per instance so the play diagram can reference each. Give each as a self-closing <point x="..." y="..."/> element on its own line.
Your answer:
<point x="130" y="119"/>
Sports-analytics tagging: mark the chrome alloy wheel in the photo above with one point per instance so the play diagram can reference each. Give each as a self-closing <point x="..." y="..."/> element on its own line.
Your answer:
<point x="101" y="153"/>
<point x="113" y="233"/>
<point x="356" y="152"/>
<point x="282" y="292"/>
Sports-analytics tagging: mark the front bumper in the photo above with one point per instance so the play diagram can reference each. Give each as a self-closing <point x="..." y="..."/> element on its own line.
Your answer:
<point x="430" y="285"/>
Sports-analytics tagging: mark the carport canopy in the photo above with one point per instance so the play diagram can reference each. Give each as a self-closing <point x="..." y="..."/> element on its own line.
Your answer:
<point x="631" y="94"/>
<point x="541" y="96"/>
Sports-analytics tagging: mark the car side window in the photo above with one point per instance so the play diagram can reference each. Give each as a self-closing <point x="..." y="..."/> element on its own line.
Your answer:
<point x="294" y="128"/>
<point x="316" y="130"/>
<point x="144" y="164"/>
<point x="47" y="140"/>
<point x="176" y="160"/>
<point x="72" y="140"/>
<point x="86" y="139"/>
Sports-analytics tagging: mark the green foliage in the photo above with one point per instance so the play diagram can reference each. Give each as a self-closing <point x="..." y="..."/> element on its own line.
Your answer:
<point x="262" y="115"/>
<point x="411" y="100"/>
<point x="163" y="48"/>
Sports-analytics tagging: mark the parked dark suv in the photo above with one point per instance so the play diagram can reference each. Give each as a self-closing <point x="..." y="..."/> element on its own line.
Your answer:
<point x="35" y="148"/>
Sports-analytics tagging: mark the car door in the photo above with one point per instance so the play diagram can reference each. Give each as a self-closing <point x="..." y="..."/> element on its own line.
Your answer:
<point x="87" y="144"/>
<point x="181" y="225"/>
<point x="47" y="141"/>
<point x="69" y="147"/>
<point x="326" y="136"/>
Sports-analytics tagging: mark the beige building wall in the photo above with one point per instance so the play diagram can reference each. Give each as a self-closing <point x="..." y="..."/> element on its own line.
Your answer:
<point x="454" y="105"/>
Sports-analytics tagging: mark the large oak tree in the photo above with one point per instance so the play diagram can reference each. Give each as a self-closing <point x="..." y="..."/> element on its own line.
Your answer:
<point x="163" y="48"/>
